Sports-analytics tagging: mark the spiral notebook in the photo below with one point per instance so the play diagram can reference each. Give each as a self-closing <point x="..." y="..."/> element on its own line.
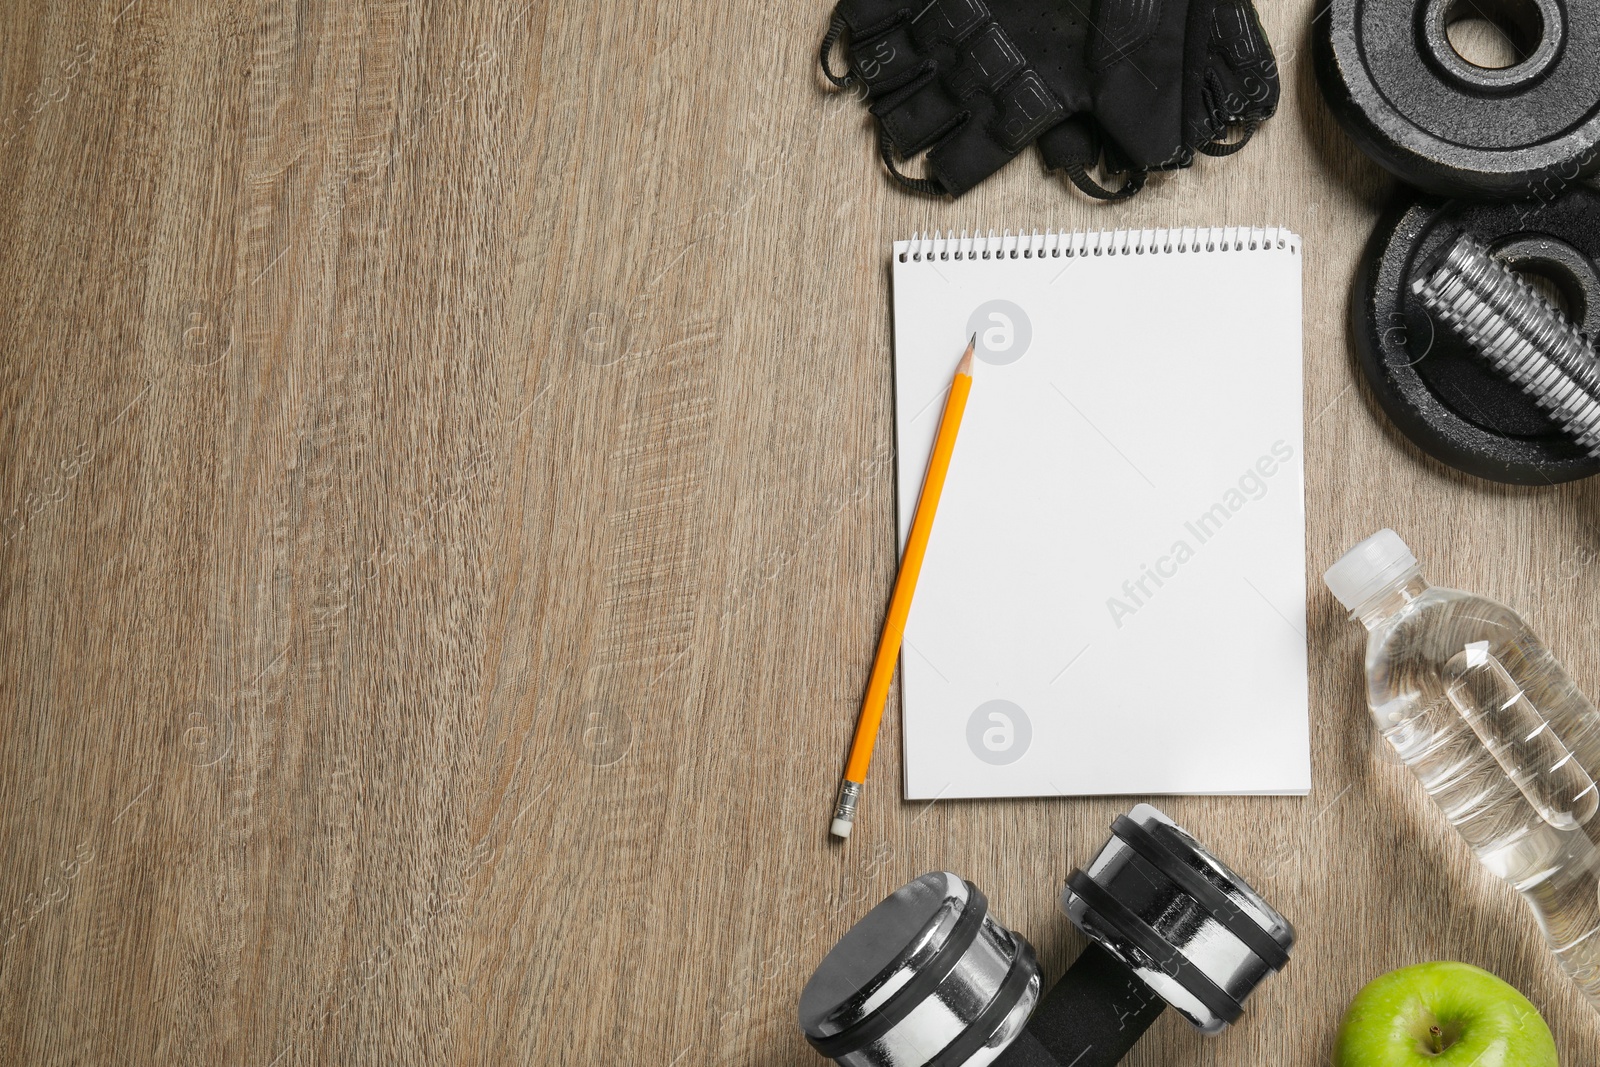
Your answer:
<point x="1113" y="598"/>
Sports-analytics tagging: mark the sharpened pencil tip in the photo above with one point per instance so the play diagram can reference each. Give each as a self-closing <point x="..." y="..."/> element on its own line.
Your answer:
<point x="965" y="366"/>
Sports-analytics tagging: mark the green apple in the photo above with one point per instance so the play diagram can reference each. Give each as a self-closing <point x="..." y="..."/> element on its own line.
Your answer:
<point x="1442" y="1015"/>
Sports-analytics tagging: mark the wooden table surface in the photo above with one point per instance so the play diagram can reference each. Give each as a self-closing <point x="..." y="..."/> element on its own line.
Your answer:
<point x="447" y="518"/>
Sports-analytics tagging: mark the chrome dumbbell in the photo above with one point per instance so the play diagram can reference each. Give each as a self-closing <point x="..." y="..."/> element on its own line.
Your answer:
<point x="929" y="978"/>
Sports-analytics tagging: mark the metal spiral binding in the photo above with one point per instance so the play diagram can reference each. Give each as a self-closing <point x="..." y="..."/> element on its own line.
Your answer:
<point x="1521" y="335"/>
<point x="1054" y="244"/>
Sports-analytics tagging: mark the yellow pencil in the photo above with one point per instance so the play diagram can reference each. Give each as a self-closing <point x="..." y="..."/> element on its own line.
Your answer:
<point x="855" y="771"/>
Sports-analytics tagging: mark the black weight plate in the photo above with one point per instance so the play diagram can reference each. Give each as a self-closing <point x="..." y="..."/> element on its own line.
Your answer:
<point x="1406" y="97"/>
<point x="1439" y="392"/>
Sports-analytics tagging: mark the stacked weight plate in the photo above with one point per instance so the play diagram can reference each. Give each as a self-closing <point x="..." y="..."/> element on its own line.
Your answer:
<point x="1505" y="153"/>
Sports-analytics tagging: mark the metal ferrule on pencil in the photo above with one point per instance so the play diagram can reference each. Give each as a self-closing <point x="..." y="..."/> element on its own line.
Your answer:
<point x="844" y="812"/>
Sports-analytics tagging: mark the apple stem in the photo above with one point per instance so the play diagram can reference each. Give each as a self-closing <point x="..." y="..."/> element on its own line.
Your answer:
<point x="1436" y="1038"/>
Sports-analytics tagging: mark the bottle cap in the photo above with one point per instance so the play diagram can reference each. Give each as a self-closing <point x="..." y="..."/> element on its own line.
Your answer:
<point x="1381" y="561"/>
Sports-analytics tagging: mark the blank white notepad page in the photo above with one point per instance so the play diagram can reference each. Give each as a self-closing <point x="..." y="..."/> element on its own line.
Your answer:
<point x="1113" y="598"/>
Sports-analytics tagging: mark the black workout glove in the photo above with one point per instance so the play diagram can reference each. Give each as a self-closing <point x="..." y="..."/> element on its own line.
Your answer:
<point x="973" y="83"/>
<point x="1169" y="79"/>
<point x="971" y="87"/>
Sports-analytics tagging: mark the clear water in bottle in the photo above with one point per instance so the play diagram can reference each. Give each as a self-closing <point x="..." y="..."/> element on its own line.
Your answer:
<point x="1495" y="730"/>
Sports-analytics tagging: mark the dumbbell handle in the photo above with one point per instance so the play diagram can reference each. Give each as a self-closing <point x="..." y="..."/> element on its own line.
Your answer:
<point x="1090" y="1018"/>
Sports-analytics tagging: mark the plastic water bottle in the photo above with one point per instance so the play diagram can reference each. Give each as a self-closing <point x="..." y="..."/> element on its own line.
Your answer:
<point x="1495" y="730"/>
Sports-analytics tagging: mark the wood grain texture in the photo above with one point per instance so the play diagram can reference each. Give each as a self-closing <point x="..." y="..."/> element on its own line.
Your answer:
<point x="447" y="511"/>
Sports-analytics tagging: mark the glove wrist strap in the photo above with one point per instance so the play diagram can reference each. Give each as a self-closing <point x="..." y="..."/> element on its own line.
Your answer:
<point x="1130" y="185"/>
<point x="836" y="30"/>
<point x="926" y="186"/>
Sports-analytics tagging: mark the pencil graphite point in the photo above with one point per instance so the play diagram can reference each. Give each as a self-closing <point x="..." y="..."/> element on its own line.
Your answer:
<point x="965" y="366"/>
